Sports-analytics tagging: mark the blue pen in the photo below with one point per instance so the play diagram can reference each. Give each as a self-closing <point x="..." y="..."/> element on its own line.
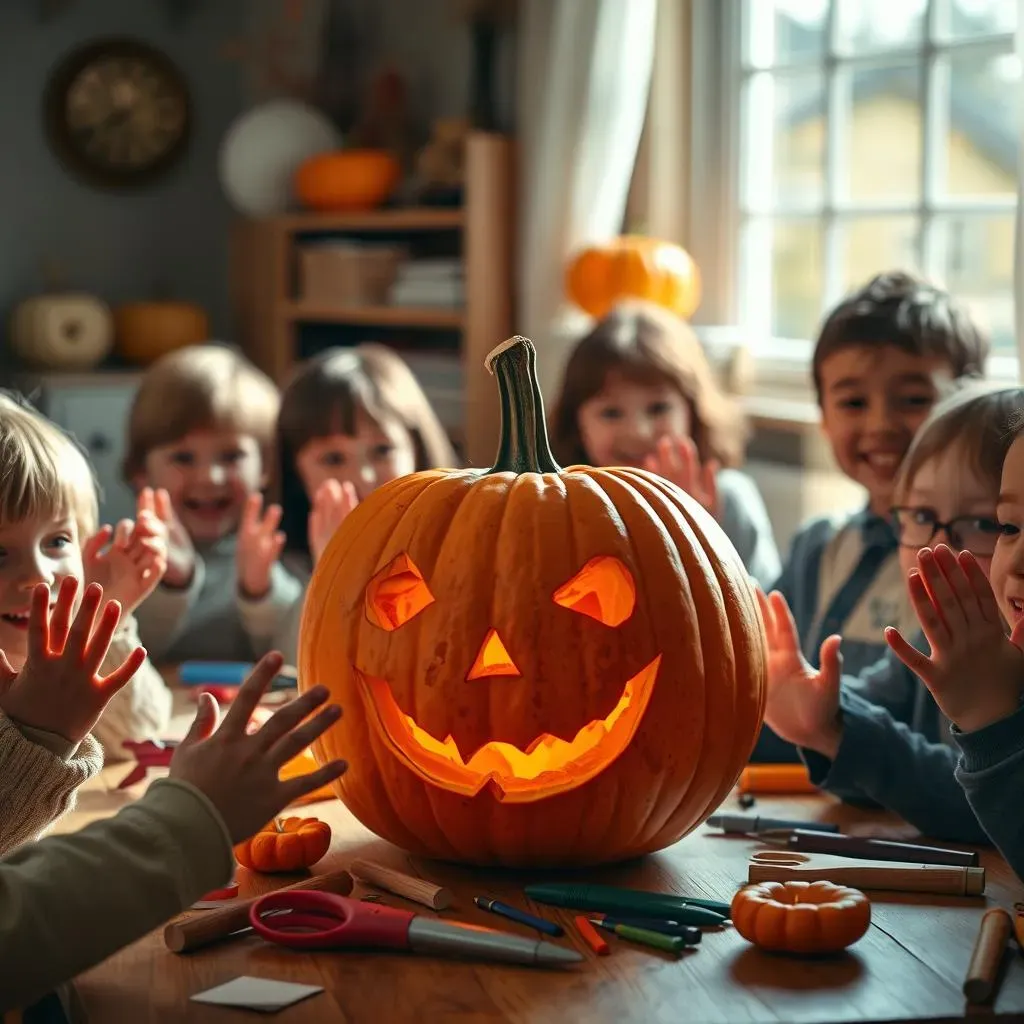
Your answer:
<point x="539" y="923"/>
<point x="229" y="673"/>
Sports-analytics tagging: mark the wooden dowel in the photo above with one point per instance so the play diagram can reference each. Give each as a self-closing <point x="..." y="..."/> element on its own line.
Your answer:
<point x="416" y="889"/>
<point x="186" y="934"/>
<point x="987" y="958"/>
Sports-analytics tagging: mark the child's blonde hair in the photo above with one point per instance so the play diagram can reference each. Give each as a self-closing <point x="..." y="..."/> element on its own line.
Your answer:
<point x="977" y="420"/>
<point x="200" y="387"/>
<point x="44" y="474"/>
<point x="649" y="345"/>
<point x="325" y="396"/>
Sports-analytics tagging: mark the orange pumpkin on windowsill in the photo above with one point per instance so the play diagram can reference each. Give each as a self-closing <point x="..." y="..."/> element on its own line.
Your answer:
<point x="538" y="666"/>
<point x="284" y="845"/>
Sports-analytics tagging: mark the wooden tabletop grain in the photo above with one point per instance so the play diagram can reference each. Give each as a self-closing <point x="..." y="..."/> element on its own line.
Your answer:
<point x="909" y="966"/>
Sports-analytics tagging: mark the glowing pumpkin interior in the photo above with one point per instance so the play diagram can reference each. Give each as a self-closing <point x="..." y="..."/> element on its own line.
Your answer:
<point x="603" y="590"/>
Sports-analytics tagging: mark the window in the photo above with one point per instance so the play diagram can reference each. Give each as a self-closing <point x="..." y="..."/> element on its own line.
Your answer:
<point x="870" y="134"/>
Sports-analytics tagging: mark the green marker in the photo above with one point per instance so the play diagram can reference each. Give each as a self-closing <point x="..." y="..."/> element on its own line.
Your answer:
<point x="631" y="903"/>
<point x="656" y="940"/>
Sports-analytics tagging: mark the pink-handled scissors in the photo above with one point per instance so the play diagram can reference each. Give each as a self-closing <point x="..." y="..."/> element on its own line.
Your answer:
<point x="301" y="919"/>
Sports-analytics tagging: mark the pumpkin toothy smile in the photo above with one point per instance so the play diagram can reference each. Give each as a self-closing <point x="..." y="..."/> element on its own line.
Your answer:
<point x="549" y="765"/>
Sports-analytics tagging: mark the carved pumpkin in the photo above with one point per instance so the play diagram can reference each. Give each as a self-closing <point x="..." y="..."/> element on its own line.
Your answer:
<point x="537" y="666"/>
<point x="347" y="180"/>
<point x="801" y="917"/>
<point x="633" y="267"/>
<point x="287" y="844"/>
<point x="148" y="330"/>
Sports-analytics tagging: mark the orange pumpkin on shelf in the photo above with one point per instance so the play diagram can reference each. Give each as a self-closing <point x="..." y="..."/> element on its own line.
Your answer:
<point x="285" y="844"/>
<point x="538" y="666"/>
<point x="347" y="180"/>
<point x="801" y="917"/>
<point x="145" y="331"/>
<point x="633" y="267"/>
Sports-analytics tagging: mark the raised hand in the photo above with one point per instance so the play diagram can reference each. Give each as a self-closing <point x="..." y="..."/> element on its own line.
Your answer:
<point x="260" y="543"/>
<point x="975" y="671"/>
<point x="181" y="553"/>
<point x="59" y="688"/>
<point x="803" y="702"/>
<point x="676" y="459"/>
<point x="332" y="503"/>
<point x="238" y="770"/>
<point x="130" y="560"/>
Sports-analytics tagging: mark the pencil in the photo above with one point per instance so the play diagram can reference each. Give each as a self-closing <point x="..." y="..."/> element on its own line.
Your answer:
<point x="520" y="916"/>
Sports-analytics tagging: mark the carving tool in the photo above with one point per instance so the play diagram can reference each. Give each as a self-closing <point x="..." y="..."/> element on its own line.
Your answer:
<point x="743" y="823"/>
<point x="631" y="903"/>
<point x="871" y="849"/>
<point x="653" y="924"/>
<point x="188" y="933"/>
<point x="520" y="916"/>
<point x="939" y="879"/>
<point x="416" y="889"/>
<point x="321" y="920"/>
<point x="776" y="778"/>
<point x="987" y="958"/>
<point x="591" y="936"/>
<point x="645" y="936"/>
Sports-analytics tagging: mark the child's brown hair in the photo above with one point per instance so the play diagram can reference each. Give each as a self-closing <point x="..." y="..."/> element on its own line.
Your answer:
<point x="200" y="387"/>
<point x="326" y="395"/>
<point x="908" y="312"/>
<point x="649" y="345"/>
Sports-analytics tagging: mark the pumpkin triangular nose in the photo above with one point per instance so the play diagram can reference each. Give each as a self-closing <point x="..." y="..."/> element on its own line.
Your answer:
<point x="492" y="659"/>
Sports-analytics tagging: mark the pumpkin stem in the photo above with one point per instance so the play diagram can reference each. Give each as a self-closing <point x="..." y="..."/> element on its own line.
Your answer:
<point x="523" y="445"/>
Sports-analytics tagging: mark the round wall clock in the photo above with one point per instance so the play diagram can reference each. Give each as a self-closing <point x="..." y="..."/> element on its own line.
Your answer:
<point x="118" y="113"/>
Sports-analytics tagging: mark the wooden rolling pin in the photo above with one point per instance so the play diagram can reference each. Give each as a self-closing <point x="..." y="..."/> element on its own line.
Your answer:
<point x="202" y="929"/>
<point x="987" y="958"/>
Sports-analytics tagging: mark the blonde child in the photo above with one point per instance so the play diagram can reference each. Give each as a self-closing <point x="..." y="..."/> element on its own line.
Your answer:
<point x="880" y="735"/>
<point x="200" y="430"/>
<point x="48" y="531"/>
<point x="638" y="391"/>
<point x="68" y="902"/>
<point x="350" y="420"/>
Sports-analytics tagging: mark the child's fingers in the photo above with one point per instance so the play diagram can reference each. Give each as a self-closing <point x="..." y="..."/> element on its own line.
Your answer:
<point x="277" y="545"/>
<point x="830" y="659"/>
<point x="251" y="691"/>
<point x="767" y="615"/>
<point x="918" y="663"/>
<point x="786" y="634"/>
<point x="98" y="641"/>
<point x="85" y="620"/>
<point x="63" y="611"/>
<point x="251" y="511"/>
<point x="123" y="533"/>
<point x="96" y="543"/>
<point x="271" y="518"/>
<point x="957" y="581"/>
<point x="295" y="789"/>
<point x="146" y="501"/>
<point x="297" y="740"/>
<point x="39" y="622"/>
<point x="932" y="624"/>
<point x="162" y="505"/>
<point x="947" y="604"/>
<point x="349" y="498"/>
<point x="288" y="717"/>
<point x="124" y="672"/>
<point x="979" y="583"/>
<point x="7" y="673"/>
<point x="205" y="723"/>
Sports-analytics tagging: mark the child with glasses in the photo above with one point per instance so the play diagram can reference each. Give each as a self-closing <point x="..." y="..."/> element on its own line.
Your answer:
<point x="880" y="735"/>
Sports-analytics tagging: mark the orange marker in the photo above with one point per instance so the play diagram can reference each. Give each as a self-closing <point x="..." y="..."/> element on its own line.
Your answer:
<point x="591" y="936"/>
<point x="776" y="778"/>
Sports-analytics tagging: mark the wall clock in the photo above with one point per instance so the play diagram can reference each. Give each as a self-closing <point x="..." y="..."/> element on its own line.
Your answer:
<point x="118" y="113"/>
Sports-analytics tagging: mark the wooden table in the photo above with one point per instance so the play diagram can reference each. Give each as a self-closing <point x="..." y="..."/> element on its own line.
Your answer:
<point x="909" y="966"/>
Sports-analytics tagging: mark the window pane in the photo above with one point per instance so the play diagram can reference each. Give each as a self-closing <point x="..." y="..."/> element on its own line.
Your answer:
<point x="798" y="143"/>
<point x="972" y="18"/>
<point x="984" y="107"/>
<point x="797" y="278"/>
<point x="784" y="31"/>
<point x="871" y="245"/>
<point x="979" y="269"/>
<point x="880" y="144"/>
<point x="870" y="25"/>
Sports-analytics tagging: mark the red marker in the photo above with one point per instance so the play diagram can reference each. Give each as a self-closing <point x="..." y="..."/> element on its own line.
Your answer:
<point x="591" y="936"/>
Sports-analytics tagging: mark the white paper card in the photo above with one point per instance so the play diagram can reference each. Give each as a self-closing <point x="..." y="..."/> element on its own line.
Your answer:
<point x="260" y="994"/>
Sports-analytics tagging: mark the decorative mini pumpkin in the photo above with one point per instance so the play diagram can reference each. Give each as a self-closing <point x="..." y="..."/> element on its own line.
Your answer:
<point x="286" y="844"/>
<point x="148" y="330"/>
<point x="801" y="917"/>
<point x="538" y="666"/>
<point x="347" y="180"/>
<point x="63" y="331"/>
<point x="633" y="267"/>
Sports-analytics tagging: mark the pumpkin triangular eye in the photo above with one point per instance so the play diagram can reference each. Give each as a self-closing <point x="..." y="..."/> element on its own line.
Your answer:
<point x="603" y="589"/>
<point x="492" y="659"/>
<point x="396" y="594"/>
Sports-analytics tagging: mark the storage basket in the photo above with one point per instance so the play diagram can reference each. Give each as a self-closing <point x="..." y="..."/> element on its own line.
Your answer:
<point x="348" y="274"/>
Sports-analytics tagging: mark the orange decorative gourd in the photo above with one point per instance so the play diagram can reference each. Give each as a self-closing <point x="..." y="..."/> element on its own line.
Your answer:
<point x="347" y="180"/>
<point x="538" y="666"/>
<point x="633" y="267"/>
<point x="145" y="331"/>
<point x="801" y="917"/>
<point x="286" y="844"/>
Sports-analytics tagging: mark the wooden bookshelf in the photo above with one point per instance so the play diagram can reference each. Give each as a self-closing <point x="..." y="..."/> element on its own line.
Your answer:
<point x="269" y="314"/>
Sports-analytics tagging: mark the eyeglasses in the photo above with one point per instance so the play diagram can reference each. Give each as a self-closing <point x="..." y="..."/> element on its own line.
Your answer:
<point x="918" y="527"/>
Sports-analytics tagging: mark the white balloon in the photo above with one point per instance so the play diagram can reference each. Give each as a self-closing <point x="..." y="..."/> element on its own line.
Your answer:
<point x="262" y="150"/>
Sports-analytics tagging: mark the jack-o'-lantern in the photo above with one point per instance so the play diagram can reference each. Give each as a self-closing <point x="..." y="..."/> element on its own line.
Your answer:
<point x="537" y="665"/>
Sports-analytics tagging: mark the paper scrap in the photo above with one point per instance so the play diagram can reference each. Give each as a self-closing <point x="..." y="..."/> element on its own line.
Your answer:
<point x="261" y="994"/>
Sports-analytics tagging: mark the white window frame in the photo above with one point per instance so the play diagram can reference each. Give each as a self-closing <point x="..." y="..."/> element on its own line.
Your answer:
<point x="780" y="365"/>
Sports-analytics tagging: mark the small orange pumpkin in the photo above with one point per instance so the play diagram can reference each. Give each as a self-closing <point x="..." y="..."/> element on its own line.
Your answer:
<point x="145" y="331"/>
<point x="347" y="180"/>
<point x="287" y="844"/>
<point x="633" y="267"/>
<point x="801" y="917"/>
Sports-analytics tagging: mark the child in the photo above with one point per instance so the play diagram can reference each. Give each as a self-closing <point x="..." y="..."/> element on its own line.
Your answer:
<point x="350" y="420"/>
<point x="200" y="429"/>
<point x="638" y="391"/>
<point x="68" y="902"/>
<point x="880" y="735"/>
<point x="48" y="531"/>
<point x="883" y="357"/>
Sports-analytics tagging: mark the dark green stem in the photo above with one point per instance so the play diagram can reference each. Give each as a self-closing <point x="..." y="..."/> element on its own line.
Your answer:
<point x="523" y="445"/>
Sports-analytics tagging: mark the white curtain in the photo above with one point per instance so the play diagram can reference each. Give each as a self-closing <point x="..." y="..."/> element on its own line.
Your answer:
<point x="584" y="75"/>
